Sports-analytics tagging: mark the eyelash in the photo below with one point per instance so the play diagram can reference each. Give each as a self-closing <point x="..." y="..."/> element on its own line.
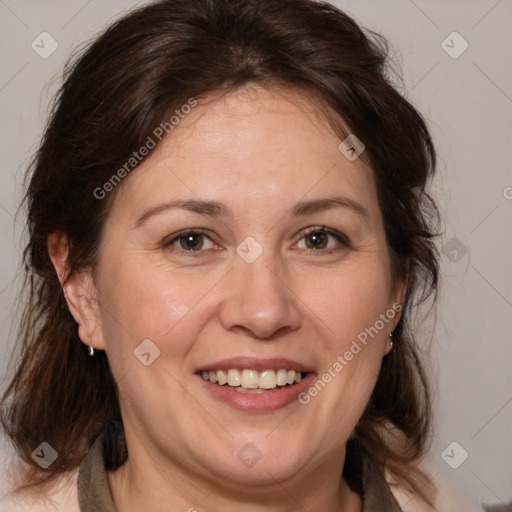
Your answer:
<point x="340" y="237"/>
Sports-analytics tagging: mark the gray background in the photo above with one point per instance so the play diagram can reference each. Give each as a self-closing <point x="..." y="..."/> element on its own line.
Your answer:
<point x="468" y="103"/>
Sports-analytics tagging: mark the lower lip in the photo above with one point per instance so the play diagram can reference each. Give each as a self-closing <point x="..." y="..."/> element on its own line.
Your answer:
<point x="261" y="402"/>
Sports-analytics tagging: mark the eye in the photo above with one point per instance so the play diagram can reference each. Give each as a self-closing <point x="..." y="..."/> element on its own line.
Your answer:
<point x="190" y="241"/>
<point x="324" y="240"/>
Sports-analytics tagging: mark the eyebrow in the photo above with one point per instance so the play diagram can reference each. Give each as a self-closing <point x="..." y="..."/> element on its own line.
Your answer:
<point x="215" y="209"/>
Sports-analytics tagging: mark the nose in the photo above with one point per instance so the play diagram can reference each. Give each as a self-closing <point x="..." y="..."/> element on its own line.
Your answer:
<point x="260" y="301"/>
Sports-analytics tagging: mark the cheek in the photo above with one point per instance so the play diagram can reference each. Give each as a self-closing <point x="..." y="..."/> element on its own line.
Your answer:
<point x="139" y="302"/>
<point x="349" y="302"/>
<point x="348" y="310"/>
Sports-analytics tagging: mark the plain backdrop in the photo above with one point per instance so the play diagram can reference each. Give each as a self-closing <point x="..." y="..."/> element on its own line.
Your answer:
<point x="465" y="93"/>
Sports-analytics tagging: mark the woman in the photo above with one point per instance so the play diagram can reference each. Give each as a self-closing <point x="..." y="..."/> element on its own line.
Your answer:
<point x="229" y="231"/>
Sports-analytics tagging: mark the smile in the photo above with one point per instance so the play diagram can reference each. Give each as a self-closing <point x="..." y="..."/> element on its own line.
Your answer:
<point x="253" y="381"/>
<point x="254" y="384"/>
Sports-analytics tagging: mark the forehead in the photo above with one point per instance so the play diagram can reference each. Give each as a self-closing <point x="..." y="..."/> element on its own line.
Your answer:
<point x="253" y="148"/>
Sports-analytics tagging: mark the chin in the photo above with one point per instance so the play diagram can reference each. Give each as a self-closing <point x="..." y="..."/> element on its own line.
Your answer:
<point x="258" y="463"/>
<point x="262" y="473"/>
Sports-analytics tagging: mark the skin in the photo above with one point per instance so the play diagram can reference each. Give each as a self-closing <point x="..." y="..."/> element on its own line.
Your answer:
<point x="259" y="153"/>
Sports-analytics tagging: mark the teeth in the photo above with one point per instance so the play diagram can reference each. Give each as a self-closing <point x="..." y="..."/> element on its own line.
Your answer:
<point x="257" y="391"/>
<point x="249" y="379"/>
<point x="268" y="379"/>
<point x="234" y="378"/>
<point x="252" y="379"/>
<point x="282" y="377"/>
<point x="222" y="378"/>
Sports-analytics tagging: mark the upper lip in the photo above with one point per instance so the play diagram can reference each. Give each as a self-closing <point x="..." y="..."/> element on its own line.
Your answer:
<point x="253" y="363"/>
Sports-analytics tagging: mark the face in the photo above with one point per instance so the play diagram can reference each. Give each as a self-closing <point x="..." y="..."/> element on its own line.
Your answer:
<point x="246" y="247"/>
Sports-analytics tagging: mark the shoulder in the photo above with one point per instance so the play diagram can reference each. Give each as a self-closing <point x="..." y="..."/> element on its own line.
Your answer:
<point x="408" y="501"/>
<point x="62" y="496"/>
<point x="447" y="499"/>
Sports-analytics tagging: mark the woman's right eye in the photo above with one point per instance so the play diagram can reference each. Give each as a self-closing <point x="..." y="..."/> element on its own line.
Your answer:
<point x="188" y="241"/>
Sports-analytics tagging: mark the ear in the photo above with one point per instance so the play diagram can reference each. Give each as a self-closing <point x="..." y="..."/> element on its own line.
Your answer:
<point x="397" y="301"/>
<point x="396" y="304"/>
<point x="79" y="290"/>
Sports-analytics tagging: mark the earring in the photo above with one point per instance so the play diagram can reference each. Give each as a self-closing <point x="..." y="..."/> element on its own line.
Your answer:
<point x="90" y="350"/>
<point x="391" y="341"/>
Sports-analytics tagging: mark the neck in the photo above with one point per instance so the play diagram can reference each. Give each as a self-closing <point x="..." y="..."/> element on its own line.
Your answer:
<point x="144" y="483"/>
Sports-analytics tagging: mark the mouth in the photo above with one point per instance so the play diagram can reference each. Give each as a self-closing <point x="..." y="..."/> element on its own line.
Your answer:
<point x="253" y="381"/>
<point x="258" y="385"/>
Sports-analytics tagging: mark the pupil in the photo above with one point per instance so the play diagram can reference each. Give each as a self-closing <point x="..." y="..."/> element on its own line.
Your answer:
<point x="316" y="239"/>
<point x="192" y="242"/>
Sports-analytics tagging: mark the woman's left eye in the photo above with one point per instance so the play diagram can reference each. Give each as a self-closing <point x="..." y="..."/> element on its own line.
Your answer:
<point x="317" y="239"/>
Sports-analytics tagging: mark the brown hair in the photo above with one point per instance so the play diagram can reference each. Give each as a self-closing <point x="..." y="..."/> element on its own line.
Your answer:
<point x="115" y="93"/>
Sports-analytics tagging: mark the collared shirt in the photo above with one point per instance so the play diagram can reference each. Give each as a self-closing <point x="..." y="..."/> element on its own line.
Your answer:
<point x="360" y="471"/>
